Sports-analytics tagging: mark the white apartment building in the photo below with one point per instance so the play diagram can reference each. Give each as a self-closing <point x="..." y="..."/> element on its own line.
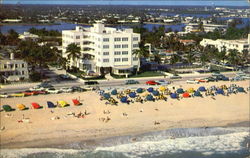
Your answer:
<point x="28" y="35"/>
<point x="239" y="45"/>
<point x="13" y="69"/>
<point x="194" y="27"/>
<point x="104" y="49"/>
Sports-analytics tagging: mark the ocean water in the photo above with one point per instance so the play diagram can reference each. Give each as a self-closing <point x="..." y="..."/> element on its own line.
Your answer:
<point x="218" y="142"/>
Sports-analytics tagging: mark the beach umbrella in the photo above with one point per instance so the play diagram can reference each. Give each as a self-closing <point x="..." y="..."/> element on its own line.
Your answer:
<point x="202" y="89"/>
<point x="62" y="103"/>
<point x="139" y="90"/>
<point x="191" y="90"/>
<point x="186" y="95"/>
<point x="36" y="105"/>
<point x="241" y="89"/>
<point x="21" y="106"/>
<point x="156" y="93"/>
<point x="174" y="95"/>
<point x="197" y="94"/>
<point x="150" y="89"/>
<point x="7" y="108"/>
<point x="144" y="94"/>
<point x="124" y="99"/>
<point x="51" y="104"/>
<point x="132" y="94"/>
<point x="150" y="97"/>
<point x="162" y="88"/>
<point x="114" y="92"/>
<point x="180" y="91"/>
<point x="220" y="91"/>
<point x="106" y="95"/>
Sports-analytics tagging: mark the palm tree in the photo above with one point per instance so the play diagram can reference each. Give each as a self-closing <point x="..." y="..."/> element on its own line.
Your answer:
<point x="245" y="56"/>
<point x="175" y="58"/>
<point x="74" y="52"/>
<point x="140" y="53"/>
<point x="190" y="57"/>
<point x="233" y="57"/>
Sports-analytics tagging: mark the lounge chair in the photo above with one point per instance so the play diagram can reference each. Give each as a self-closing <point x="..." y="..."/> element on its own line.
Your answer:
<point x="36" y="105"/>
<point x="7" y="108"/>
<point x="76" y="102"/>
<point x="21" y="107"/>
<point x="50" y="104"/>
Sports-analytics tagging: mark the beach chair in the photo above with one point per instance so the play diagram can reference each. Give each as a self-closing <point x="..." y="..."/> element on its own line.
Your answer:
<point x="36" y="105"/>
<point x="76" y="102"/>
<point x="50" y="104"/>
<point x="7" y="108"/>
<point x="62" y="103"/>
<point x="21" y="106"/>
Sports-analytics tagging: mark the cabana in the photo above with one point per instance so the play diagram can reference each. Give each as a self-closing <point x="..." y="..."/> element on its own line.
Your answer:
<point x="197" y="94"/>
<point x="21" y="106"/>
<point x="150" y="97"/>
<point x="36" y="105"/>
<point x="106" y="95"/>
<point x="132" y="95"/>
<point x="114" y="92"/>
<point x="180" y="91"/>
<point x="186" y="95"/>
<point x="124" y="99"/>
<point x="76" y="102"/>
<point x="139" y="90"/>
<point x="220" y="91"/>
<point x="202" y="89"/>
<point x="62" y="103"/>
<point x="241" y="89"/>
<point x="174" y="95"/>
<point x="191" y="90"/>
<point x="150" y="89"/>
<point x="50" y="104"/>
<point x="156" y="93"/>
<point x="7" y="108"/>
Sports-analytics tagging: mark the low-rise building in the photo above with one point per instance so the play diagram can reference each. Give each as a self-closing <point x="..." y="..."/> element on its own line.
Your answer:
<point x="194" y="27"/>
<point x="28" y="35"/>
<point x="13" y="69"/>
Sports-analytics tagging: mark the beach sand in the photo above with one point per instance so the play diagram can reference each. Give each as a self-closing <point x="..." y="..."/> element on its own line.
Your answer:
<point x="41" y="131"/>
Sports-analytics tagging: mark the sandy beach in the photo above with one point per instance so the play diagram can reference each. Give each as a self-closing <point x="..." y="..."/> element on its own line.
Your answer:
<point x="42" y="131"/>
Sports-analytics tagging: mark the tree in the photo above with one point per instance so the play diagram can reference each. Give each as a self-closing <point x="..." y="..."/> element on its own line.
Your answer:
<point x="74" y="52"/>
<point x="12" y="37"/>
<point x="233" y="57"/>
<point x="174" y="59"/>
<point x="139" y="53"/>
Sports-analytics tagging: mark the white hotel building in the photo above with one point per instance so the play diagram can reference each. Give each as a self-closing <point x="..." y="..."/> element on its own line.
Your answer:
<point x="103" y="48"/>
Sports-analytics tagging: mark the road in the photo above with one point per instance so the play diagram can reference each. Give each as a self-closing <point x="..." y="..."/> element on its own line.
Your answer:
<point x="102" y="83"/>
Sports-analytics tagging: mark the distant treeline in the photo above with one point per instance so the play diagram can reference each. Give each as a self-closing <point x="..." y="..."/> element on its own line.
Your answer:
<point x="44" y="32"/>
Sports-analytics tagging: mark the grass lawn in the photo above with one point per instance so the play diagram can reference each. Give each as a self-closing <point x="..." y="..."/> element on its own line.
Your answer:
<point x="147" y="74"/>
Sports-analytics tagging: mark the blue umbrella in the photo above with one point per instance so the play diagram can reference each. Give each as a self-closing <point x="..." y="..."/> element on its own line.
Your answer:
<point x="156" y="93"/>
<point x="202" y="89"/>
<point x="150" y="89"/>
<point x="180" y="91"/>
<point x="174" y="95"/>
<point x="106" y="95"/>
<point x="240" y="89"/>
<point x="139" y="90"/>
<point x="114" y="92"/>
<point x="124" y="99"/>
<point x="150" y="97"/>
<point x="197" y="94"/>
<point x="132" y="94"/>
<point x="220" y="91"/>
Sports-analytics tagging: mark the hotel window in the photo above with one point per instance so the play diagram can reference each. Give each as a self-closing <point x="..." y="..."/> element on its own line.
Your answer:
<point x="117" y="39"/>
<point x="124" y="59"/>
<point x="105" y="39"/>
<point x="125" y="39"/>
<point x="23" y="65"/>
<point x="77" y="37"/>
<point x="135" y="38"/>
<point x="105" y="60"/>
<point x="124" y="52"/>
<point x="117" y="59"/>
<point x="16" y="65"/>
<point x="105" y="53"/>
<point x="117" y="46"/>
<point x="5" y="66"/>
<point x="124" y="46"/>
<point x="135" y="45"/>
<point x="105" y="46"/>
<point x="117" y="53"/>
<point x="135" y="59"/>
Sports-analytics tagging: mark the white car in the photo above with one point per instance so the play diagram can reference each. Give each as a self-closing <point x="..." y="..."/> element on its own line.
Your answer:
<point x="192" y="81"/>
<point x="37" y="88"/>
<point x="66" y="90"/>
<point x="163" y="82"/>
<point x="4" y="95"/>
<point x="52" y="91"/>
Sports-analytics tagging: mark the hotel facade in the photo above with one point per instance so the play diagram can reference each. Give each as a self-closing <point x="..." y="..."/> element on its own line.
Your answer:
<point x="103" y="49"/>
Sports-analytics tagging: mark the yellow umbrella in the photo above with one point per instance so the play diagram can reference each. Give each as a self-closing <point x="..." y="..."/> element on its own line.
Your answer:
<point x="62" y="103"/>
<point x="21" y="106"/>
<point x="191" y="90"/>
<point x="162" y="88"/>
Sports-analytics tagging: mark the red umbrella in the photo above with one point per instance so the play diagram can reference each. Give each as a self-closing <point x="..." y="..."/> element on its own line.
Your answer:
<point x="36" y="105"/>
<point x="76" y="102"/>
<point x="186" y="95"/>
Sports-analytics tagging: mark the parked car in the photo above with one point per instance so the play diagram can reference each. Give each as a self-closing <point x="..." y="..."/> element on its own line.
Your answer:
<point x="152" y="82"/>
<point x="163" y="82"/>
<point x="131" y="82"/>
<point x="64" y="77"/>
<point x="4" y="95"/>
<point x="46" y="85"/>
<point x="222" y="78"/>
<point x="29" y="92"/>
<point x="52" y="91"/>
<point x="17" y="94"/>
<point x="77" y="89"/>
<point x="37" y="88"/>
<point x="237" y="78"/>
<point x="192" y="81"/>
<point x="90" y="83"/>
<point x="66" y="90"/>
<point x="175" y="76"/>
<point x="211" y="79"/>
<point x="201" y="80"/>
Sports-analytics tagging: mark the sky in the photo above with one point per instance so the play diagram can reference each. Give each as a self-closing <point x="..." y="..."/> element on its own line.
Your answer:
<point x="134" y="2"/>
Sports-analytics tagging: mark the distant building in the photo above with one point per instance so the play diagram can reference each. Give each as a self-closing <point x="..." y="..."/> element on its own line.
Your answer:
<point x="27" y="35"/>
<point x="13" y="69"/>
<point x="188" y="42"/>
<point x="194" y="27"/>
<point x="12" y="20"/>
<point x="103" y="48"/>
<point x="239" y="45"/>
